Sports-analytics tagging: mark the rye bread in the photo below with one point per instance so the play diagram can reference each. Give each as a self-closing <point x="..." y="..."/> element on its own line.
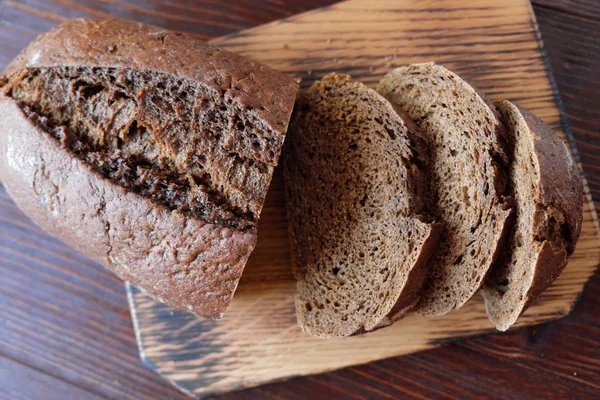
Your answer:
<point x="147" y="150"/>
<point x="547" y="188"/>
<point x="466" y="140"/>
<point x="356" y="191"/>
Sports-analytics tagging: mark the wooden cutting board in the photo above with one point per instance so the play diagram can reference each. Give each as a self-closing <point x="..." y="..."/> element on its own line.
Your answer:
<point x="496" y="46"/>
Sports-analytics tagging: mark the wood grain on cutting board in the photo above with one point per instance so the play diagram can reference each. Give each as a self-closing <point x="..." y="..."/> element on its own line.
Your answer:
<point x="494" y="45"/>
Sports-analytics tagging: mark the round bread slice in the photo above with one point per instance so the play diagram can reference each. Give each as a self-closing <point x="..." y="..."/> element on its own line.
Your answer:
<point x="466" y="141"/>
<point x="355" y="182"/>
<point x="549" y="209"/>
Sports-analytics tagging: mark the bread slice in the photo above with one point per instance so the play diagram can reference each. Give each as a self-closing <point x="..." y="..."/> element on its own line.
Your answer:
<point x="356" y="188"/>
<point x="549" y="210"/>
<point x="147" y="150"/>
<point x="466" y="141"/>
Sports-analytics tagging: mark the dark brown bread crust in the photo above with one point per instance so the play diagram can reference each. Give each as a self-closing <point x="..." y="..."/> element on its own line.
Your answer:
<point x="549" y="197"/>
<point x="560" y="179"/>
<point x="128" y="44"/>
<point x="173" y="256"/>
<point x="179" y="260"/>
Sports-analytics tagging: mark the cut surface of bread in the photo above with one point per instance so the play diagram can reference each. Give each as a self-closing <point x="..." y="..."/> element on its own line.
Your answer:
<point x="139" y="118"/>
<point x="146" y="132"/>
<point x="466" y="142"/>
<point x="548" y="194"/>
<point x="356" y="187"/>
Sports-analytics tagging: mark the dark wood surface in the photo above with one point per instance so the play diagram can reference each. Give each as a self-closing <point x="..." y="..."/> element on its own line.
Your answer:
<point x="65" y="328"/>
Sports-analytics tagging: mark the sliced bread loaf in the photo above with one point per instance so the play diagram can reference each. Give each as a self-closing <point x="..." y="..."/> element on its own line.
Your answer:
<point x="466" y="141"/>
<point x="147" y="150"/>
<point x="355" y="183"/>
<point x="549" y="207"/>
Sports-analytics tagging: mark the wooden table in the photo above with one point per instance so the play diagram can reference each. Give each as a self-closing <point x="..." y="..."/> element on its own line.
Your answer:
<point x="65" y="328"/>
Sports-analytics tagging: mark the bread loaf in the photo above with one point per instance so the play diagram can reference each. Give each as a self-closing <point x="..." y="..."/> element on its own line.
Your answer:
<point x="356" y="190"/>
<point x="147" y="150"/>
<point x="547" y="188"/>
<point x="466" y="141"/>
